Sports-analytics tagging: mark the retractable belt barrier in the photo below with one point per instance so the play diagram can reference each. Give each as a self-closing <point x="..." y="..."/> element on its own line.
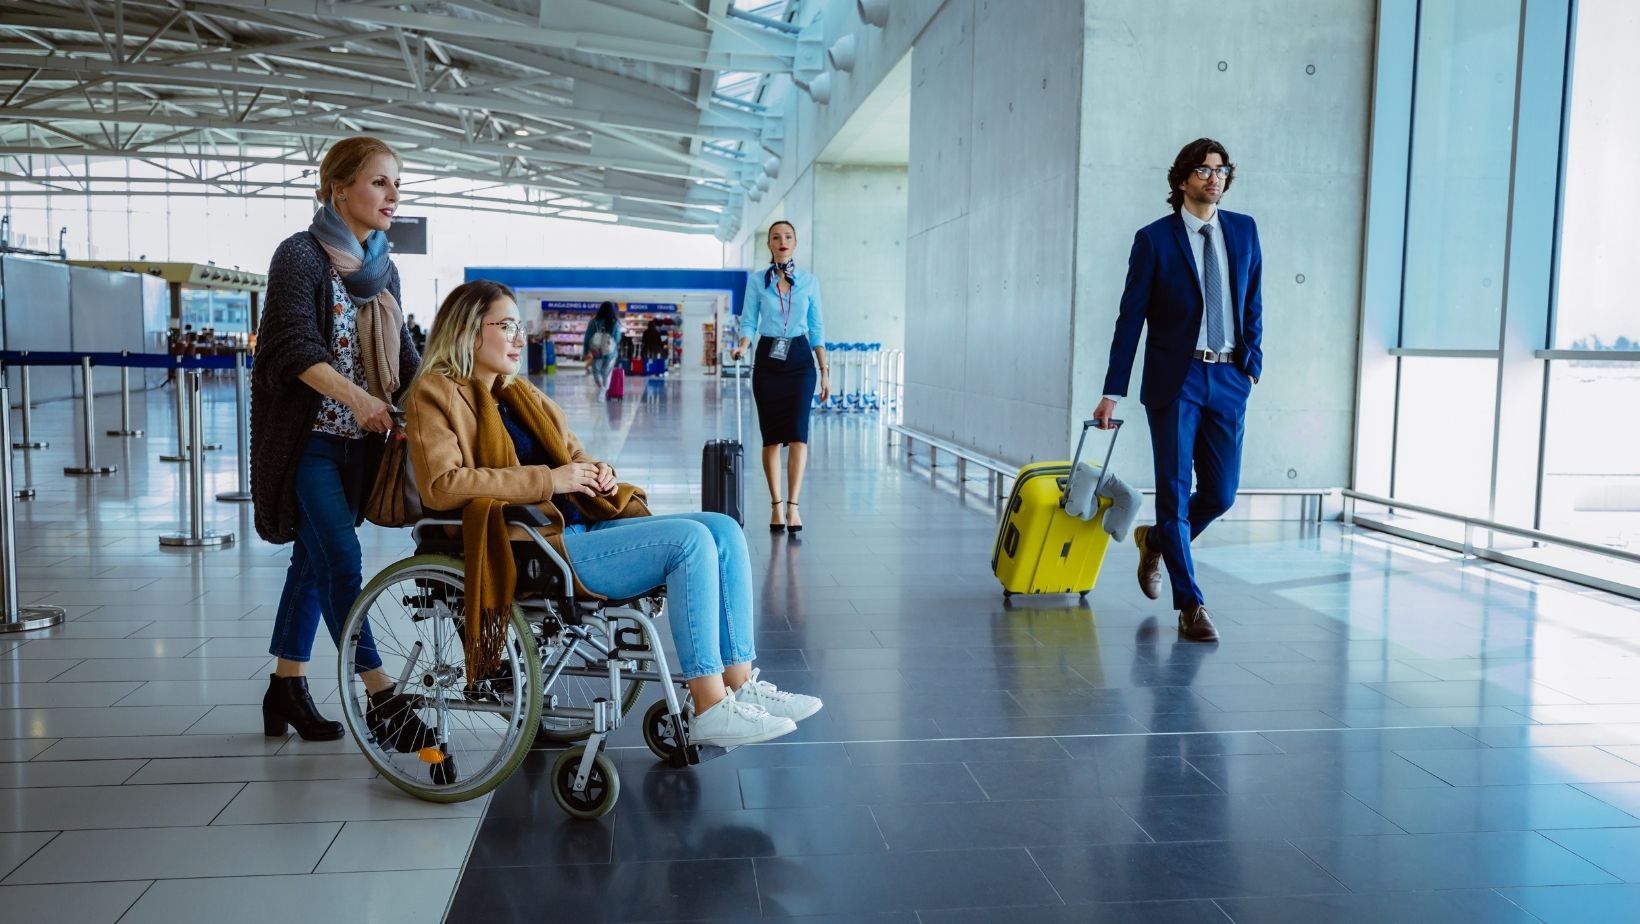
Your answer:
<point x="189" y="412"/>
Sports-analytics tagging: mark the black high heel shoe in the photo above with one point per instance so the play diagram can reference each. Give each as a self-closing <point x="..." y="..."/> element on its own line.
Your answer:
<point x="288" y="703"/>
<point x="777" y="527"/>
<point x="793" y="529"/>
<point x="394" y="723"/>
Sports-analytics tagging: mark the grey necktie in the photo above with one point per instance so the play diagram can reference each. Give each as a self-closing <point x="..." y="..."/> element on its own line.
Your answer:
<point x="1213" y="287"/>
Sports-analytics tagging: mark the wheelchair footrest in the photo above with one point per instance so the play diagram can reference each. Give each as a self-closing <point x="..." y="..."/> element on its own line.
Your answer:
<point x="697" y="754"/>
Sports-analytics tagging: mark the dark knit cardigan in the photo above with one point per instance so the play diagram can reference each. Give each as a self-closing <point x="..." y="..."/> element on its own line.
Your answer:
<point x="297" y="321"/>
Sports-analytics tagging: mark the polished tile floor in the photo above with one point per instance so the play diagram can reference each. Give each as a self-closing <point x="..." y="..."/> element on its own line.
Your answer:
<point x="1386" y="733"/>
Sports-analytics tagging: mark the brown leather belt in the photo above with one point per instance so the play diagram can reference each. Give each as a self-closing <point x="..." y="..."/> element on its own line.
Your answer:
<point x="1208" y="356"/>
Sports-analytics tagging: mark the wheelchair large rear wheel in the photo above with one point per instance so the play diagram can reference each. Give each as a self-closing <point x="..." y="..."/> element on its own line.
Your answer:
<point x="481" y="727"/>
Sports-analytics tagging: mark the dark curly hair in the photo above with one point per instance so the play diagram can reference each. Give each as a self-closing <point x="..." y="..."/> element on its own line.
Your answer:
<point x="1190" y="157"/>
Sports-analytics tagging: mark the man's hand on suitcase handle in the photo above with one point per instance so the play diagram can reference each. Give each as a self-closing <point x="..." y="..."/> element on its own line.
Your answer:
<point x="1103" y="413"/>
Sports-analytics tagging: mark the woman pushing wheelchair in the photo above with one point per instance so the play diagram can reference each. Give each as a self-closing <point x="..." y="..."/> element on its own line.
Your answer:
<point x="481" y="437"/>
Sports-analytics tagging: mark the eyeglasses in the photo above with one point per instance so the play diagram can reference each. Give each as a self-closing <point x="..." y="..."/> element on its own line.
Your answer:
<point x="1204" y="172"/>
<point x="509" y="328"/>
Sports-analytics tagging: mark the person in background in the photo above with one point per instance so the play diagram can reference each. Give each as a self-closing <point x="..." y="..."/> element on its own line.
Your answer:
<point x="600" y="343"/>
<point x="783" y="311"/>
<point x="417" y="335"/>
<point x="653" y="342"/>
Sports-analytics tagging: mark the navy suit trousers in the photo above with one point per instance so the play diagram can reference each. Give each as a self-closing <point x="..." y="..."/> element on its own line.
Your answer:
<point x="1198" y="431"/>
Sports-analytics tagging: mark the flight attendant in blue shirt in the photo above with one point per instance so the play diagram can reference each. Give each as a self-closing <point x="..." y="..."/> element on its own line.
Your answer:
<point x="783" y="310"/>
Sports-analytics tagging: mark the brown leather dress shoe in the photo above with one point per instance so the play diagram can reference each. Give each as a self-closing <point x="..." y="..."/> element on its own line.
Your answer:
<point x="1150" y="565"/>
<point x="1194" y="626"/>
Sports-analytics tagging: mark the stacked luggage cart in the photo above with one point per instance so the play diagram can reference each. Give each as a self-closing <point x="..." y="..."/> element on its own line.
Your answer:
<point x="865" y="377"/>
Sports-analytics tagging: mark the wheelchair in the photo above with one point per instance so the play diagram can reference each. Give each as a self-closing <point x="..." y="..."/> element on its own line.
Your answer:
<point x="571" y="670"/>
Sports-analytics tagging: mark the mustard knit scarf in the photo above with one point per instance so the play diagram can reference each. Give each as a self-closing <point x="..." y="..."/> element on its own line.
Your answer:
<point x="491" y="574"/>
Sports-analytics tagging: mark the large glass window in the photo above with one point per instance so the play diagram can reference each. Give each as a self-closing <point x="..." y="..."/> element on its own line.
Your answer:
<point x="1596" y="308"/>
<point x="1458" y="200"/>
<point x="1509" y="120"/>
<point x="1591" y="471"/>
<point x="1443" y="433"/>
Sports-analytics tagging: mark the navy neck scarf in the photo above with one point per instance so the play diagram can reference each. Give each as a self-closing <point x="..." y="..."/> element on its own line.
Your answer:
<point x="787" y="269"/>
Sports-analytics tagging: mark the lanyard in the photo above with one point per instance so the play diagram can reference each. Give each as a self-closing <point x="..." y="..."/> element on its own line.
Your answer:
<point x="786" y="302"/>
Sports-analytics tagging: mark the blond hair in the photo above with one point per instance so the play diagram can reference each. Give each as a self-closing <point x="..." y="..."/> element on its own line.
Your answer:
<point x="344" y="161"/>
<point x="456" y="327"/>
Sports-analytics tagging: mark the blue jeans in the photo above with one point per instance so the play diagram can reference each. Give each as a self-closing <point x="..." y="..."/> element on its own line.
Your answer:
<point x="325" y="564"/>
<point x="602" y="366"/>
<point x="702" y="560"/>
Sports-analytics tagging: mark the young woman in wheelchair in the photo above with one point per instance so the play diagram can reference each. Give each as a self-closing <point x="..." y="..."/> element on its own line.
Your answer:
<point x="481" y="437"/>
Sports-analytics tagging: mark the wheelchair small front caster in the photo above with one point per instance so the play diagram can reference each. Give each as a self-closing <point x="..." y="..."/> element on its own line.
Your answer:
<point x="663" y="739"/>
<point x="602" y="789"/>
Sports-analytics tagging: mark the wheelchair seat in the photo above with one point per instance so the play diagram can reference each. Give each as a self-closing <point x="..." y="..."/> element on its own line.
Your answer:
<point x="538" y="574"/>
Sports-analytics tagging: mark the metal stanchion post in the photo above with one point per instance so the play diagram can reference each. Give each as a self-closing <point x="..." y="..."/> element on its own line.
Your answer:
<point x="88" y="421"/>
<point x="125" y="405"/>
<point x="242" y="416"/>
<point x="14" y="618"/>
<point x="26" y="490"/>
<point x="197" y="534"/>
<point x="181" y="383"/>
<point x="28" y="441"/>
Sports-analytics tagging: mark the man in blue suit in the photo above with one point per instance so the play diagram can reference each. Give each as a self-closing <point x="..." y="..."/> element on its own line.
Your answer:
<point x="1194" y="278"/>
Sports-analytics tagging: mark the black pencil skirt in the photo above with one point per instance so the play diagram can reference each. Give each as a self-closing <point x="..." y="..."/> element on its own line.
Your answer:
<point x="784" y="391"/>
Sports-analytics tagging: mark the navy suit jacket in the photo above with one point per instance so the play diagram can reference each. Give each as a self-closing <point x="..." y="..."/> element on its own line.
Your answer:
<point x="1164" y="291"/>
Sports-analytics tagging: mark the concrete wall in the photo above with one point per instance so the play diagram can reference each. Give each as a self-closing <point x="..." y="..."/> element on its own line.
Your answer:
<point x="858" y="236"/>
<point x="810" y="126"/>
<point x="995" y="103"/>
<point x="1151" y="82"/>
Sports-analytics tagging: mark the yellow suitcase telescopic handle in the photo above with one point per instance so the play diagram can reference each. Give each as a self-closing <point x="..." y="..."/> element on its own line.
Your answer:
<point x="1104" y="467"/>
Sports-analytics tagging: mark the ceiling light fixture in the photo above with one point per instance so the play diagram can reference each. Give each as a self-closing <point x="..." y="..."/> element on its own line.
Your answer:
<point x="841" y="53"/>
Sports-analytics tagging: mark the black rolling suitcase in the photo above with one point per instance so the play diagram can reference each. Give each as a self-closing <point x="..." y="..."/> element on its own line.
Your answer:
<point x="723" y="472"/>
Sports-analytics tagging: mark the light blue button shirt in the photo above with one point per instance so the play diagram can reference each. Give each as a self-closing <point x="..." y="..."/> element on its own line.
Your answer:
<point x="761" y="313"/>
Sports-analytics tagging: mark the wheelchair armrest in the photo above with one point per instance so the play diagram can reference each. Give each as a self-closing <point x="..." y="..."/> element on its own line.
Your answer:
<point x="525" y="515"/>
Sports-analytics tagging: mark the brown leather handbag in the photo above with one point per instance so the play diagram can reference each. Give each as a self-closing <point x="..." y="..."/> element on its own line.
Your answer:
<point x="394" y="500"/>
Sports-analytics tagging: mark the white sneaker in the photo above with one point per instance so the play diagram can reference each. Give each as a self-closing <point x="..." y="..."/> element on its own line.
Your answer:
<point x="794" y="706"/>
<point x="731" y="723"/>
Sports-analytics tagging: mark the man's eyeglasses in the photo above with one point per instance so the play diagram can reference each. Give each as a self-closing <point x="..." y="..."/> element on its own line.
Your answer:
<point x="1204" y="172"/>
<point x="509" y="328"/>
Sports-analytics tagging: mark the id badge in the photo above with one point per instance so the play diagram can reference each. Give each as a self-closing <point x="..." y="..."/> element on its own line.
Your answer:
<point x="782" y="346"/>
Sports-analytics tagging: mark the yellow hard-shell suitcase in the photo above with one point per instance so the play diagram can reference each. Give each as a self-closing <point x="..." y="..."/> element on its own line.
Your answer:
<point x="1041" y="549"/>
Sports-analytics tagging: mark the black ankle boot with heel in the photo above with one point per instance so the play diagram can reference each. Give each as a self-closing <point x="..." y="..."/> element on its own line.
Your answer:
<point x="393" y="721"/>
<point x="289" y="704"/>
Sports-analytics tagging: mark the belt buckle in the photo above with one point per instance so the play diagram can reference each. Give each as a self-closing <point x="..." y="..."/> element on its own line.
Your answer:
<point x="1208" y="356"/>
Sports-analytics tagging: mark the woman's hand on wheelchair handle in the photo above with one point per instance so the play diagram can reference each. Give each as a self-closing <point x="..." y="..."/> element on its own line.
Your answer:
<point x="373" y="414"/>
<point x="575" y="478"/>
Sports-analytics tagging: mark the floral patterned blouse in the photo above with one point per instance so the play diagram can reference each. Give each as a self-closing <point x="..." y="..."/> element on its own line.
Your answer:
<point x="335" y="417"/>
